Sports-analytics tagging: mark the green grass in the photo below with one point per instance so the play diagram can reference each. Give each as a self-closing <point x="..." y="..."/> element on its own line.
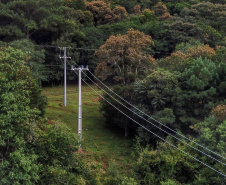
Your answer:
<point x="100" y="142"/>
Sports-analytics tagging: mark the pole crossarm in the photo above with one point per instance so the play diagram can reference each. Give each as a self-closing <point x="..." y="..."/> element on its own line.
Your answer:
<point x="65" y="55"/>
<point x="80" y="69"/>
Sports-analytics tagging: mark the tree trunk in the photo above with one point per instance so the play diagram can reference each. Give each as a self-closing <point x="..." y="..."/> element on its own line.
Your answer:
<point x="27" y="33"/>
<point x="126" y="127"/>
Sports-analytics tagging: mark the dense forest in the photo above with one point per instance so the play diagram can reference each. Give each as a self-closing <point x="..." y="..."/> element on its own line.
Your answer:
<point x="165" y="57"/>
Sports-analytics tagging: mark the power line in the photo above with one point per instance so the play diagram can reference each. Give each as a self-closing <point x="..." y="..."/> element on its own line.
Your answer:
<point x="83" y="49"/>
<point x="153" y="132"/>
<point x="89" y="49"/>
<point x="69" y="47"/>
<point x="47" y="46"/>
<point x="155" y="119"/>
<point x="155" y="125"/>
<point x="53" y="65"/>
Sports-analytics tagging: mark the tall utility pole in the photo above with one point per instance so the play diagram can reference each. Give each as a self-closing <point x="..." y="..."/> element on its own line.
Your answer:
<point x="65" y="75"/>
<point x="80" y="69"/>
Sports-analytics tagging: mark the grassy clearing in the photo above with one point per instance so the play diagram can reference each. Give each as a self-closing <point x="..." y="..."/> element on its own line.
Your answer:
<point x="100" y="143"/>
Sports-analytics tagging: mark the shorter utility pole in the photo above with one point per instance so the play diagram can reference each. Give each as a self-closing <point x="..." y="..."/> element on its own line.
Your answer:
<point x="80" y="69"/>
<point x="65" y="75"/>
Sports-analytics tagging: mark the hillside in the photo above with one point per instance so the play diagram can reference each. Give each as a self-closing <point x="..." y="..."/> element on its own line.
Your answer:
<point x="155" y="109"/>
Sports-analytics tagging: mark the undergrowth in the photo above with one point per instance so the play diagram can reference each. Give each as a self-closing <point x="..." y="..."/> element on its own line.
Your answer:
<point x="104" y="148"/>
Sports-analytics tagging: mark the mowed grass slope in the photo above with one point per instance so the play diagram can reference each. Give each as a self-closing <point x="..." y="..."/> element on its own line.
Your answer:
<point x="100" y="142"/>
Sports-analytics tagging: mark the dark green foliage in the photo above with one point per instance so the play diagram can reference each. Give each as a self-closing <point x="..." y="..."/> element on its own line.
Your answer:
<point x="180" y="92"/>
<point x="180" y="31"/>
<point x="147" y="16"/>
<point x="159" y="93"/>
<point x="36" y="58"/>
<point x="201" y="74"/>
<point x="15" y="71"/>
<point x="155" y="166"/>
<point x="52" y="137"/>
<point x="34" y="19"/>
<point x="18" y="162"/>
<point x="181" y="99"/>
<point x="185" y="46"/>
<point x="212" y="36"/>
<point x="200" y="88"/>
<point x="129" y="4"/>
<point x="158" y="90"/>
<point x="115" y="118"/>
<point x="55" y="145"/>
<point x="118" y="28"/>
<point x="64" y="23"/>
<point x="210" y="16"/>
<point x="31" y="150"/>
<point x="20" y="167"/>
<point x="215" y="1"/>
<point x="219" y="60"/>
<point x="44" y="22"/>
<point x="165" y="162"/>
<point x="159" y="32"/>
<point x="77" y="4"/>
<point x="92" y="39"/>
<point x="84" y="18"/>
<point x="175" y="6"/>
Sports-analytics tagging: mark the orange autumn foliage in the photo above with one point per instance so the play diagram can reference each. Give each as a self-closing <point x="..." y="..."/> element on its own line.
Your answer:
<point x="179" y="60"/>
<point x="122" y="56"/>
<point x="119" y="13"/>
<point x="136" y="9"/>
<point x="103" y="13"/>
<point x="161" y="12"/>
<point x="219" y="112"/>
<point x="205" y="51"/>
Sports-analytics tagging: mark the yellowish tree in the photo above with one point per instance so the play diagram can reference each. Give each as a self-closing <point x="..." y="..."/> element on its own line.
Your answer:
<point x="119" y="13"/>
<point x="179" y="60"/>
<point x="161" y="12"/>
<point x="136" y="9"/>
<point x="103" y="13"/>
<point x="123" y="58"/>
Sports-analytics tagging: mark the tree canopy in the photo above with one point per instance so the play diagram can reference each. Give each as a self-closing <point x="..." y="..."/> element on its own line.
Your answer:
<point x="166" y="57"/>
<point x="123" y="57"/>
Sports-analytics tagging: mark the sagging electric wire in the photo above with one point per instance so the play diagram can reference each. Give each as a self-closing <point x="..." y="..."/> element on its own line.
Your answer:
<point x="152" y="132"/>
<point x="155" y="119"/>
<point x="154" y="124"/>
<point x="69" y="47"/>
